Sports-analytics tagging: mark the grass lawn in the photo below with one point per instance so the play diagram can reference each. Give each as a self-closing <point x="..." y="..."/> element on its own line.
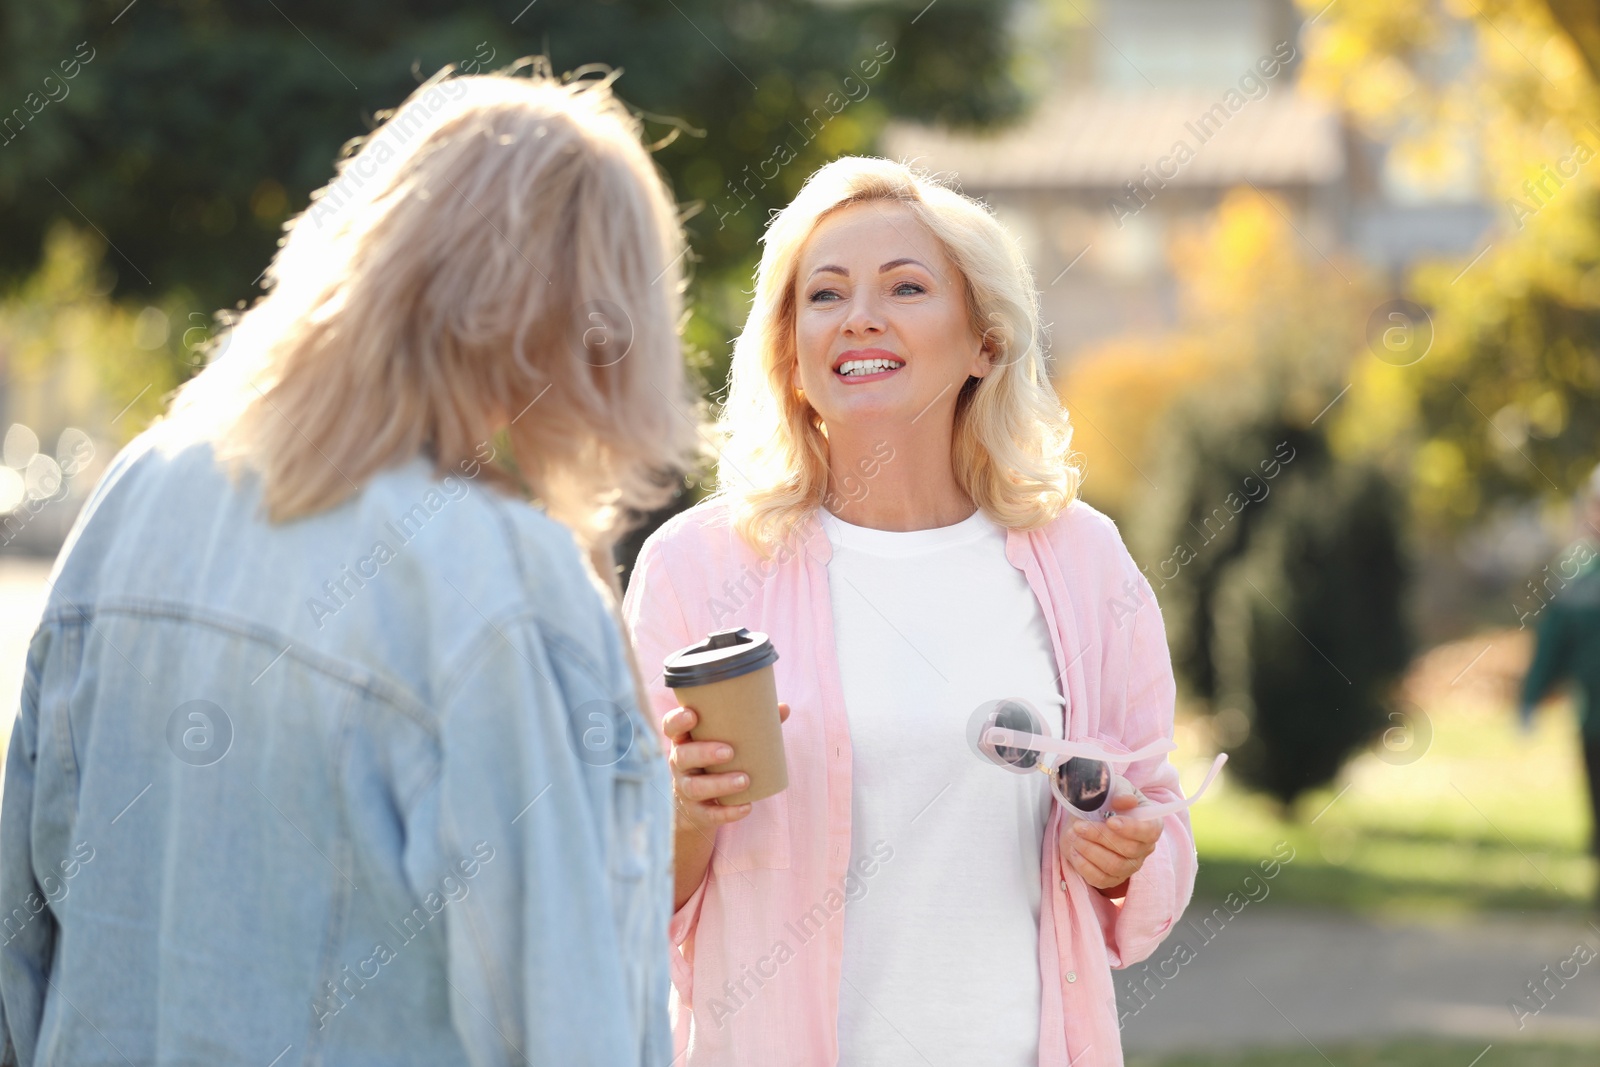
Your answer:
<point x="1393" y="1054"/>
<point x="1485" y="818"/>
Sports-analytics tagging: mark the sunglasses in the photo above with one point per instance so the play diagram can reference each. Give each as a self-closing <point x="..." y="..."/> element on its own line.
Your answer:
<point x="1013" y="736"/>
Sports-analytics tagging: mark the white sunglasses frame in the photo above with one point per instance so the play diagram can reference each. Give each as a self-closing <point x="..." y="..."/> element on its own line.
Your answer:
<point x="1003" y="737"/>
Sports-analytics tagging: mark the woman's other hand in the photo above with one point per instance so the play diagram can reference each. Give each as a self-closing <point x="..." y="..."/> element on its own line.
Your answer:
<point x="695" y="788"/>
<point x="1107" y="854"/>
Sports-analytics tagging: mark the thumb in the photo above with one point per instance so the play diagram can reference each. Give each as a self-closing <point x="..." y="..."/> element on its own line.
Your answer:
<point x="783" y="712"/>
<point x="1124" y="796"/>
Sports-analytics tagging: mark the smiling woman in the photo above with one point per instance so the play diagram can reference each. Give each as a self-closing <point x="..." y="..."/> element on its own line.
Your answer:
<point x="896" y="317"/>
<point x="956" y="273"/>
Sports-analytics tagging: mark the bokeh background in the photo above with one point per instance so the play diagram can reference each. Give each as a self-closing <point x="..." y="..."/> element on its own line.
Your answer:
<point x="1323" y="289"/>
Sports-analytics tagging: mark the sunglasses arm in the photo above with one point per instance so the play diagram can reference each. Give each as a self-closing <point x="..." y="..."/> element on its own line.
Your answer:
<point x="1158" y="811"/>
<point x="1001" y="737"/>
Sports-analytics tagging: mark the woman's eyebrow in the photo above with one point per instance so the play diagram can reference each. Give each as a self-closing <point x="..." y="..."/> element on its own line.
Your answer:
<point x="891" y="265"/>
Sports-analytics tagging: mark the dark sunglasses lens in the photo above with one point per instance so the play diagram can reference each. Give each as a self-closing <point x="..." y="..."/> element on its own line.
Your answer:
<point x="1020" y="718"/>
<point x="1086" y="783"/>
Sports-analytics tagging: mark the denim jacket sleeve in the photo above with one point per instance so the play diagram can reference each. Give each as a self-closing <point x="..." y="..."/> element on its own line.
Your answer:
<point x="27" y="939"/>
<point x="532" y="815"/>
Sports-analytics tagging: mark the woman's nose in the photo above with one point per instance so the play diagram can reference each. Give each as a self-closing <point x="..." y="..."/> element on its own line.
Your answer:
<point x="864" y="317"/>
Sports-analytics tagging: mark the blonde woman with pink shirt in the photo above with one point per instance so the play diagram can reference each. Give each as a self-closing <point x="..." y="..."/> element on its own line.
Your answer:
<point x="898" y="511"/>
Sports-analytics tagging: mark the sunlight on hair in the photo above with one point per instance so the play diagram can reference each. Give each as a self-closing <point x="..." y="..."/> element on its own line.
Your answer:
<point x="500" y="256"/>
<point x="1012" y="445"/>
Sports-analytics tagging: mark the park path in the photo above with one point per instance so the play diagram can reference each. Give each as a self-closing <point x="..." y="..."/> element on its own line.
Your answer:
<point x="1286" y="976"/>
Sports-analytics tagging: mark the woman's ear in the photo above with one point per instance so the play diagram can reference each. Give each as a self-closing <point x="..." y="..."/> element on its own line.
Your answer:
<point x="983" y="362"/>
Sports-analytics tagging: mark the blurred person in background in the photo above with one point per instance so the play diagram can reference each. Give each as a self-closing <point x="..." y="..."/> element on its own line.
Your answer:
<point x="1567" y="646"/>
<point x="897" y="509"/>
<point x="311" y="662"/>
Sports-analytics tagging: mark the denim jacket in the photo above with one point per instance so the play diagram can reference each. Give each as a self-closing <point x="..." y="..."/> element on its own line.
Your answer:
<point x="368" y="787"/>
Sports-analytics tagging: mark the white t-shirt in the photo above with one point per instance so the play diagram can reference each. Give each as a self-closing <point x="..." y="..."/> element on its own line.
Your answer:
<point x="941" y="941"/>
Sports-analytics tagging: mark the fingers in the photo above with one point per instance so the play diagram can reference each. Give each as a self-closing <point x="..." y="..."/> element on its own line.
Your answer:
<point x="719" y="814"/>
<point x="1091" y="871"/>
<point x="1133" y="838"/>
<point x="1145" y="831"/>
<point x="707" y="815"/>
<point x="1098" y="835"/>
<point x="705" y="787"/>
<point x="698" y="793"/>
<point x="677" y="723"/>
<point x="1112" y="863"/>
<point x="1104" y="856"/>
<point x="689" y="757"/>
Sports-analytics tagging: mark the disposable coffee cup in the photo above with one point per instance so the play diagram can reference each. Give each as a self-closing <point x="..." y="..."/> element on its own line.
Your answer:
<point x="727" y="680"/>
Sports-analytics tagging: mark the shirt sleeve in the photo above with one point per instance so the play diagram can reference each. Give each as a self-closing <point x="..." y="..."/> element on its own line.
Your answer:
<point x="1550" y="656"/>
<point x="511" y="843"/>
<point x="657" y="626"/>
<point x="1160" y="889"/>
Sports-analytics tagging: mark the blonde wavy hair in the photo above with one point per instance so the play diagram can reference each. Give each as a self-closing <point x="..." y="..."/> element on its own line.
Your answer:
<point x="493" y="272"/>
<point x="1011" y="451"/>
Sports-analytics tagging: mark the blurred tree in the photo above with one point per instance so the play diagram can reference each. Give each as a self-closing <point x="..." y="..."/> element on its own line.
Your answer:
<point x="1293" y="625"/>
<point x="73" y="356"/>
<point x="1279" y="565"/>
<point x="1247" y="284"/>
<point x="187" y="132"/>
<point x="1502" y="95"/>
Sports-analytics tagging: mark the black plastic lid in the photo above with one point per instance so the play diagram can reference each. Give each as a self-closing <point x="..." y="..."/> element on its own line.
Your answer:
<point x="722" y="655"/>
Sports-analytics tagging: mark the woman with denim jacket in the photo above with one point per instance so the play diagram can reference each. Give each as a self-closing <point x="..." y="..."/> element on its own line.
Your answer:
<point x="329" y="749"/>
<point x="898" y="511"/>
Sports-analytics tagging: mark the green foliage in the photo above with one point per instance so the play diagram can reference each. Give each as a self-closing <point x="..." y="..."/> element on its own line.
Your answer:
<point x="1308" y="626"/>
<point x="1500" y="98"/>
<point x="73" y="356"/>
<point x="1513" y="398"/>
<point x="194" y="129"/>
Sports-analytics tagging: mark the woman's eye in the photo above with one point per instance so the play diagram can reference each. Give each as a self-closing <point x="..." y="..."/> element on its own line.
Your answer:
<point x="816" y="296"/>
<point x="913" y="286"/>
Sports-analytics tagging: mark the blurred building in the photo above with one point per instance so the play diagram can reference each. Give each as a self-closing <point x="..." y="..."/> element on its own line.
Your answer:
<point x="1157" y="109"/>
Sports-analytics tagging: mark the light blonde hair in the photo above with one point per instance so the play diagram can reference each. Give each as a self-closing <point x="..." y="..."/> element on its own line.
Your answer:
<point x="498" y="261"/>
<point x="1011" y="451"/>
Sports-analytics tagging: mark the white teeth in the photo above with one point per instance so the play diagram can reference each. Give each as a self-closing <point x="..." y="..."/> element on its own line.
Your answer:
<point x="853" y="367"/>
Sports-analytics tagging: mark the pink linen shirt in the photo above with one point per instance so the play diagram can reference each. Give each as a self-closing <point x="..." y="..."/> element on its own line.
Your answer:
<point x="756" y="949"/>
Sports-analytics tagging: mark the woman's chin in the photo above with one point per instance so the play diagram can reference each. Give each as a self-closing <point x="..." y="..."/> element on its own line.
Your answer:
<point x="867" y="409"/>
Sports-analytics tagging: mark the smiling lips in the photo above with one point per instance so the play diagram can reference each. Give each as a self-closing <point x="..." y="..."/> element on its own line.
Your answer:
<point x="866" y="365"/>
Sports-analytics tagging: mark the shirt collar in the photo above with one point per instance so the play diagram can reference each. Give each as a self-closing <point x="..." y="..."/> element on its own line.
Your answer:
<point x="814" y="541"/>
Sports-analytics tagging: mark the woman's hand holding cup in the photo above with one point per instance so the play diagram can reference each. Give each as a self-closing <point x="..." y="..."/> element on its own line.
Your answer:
<point x="695" y="786"/>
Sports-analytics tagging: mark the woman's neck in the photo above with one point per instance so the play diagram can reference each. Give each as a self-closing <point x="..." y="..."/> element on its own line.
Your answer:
<point x="897" y="479"/>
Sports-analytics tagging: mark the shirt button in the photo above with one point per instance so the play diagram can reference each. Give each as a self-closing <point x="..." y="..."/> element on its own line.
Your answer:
<point x="1072" y="976"/>
<point x="1063" y="885"/>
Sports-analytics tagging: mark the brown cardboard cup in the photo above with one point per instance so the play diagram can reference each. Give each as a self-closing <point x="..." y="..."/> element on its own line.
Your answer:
<point x="727" y="680"/>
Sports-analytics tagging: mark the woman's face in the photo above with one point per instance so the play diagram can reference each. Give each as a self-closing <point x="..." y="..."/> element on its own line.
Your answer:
<point x="882" y="334"/>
